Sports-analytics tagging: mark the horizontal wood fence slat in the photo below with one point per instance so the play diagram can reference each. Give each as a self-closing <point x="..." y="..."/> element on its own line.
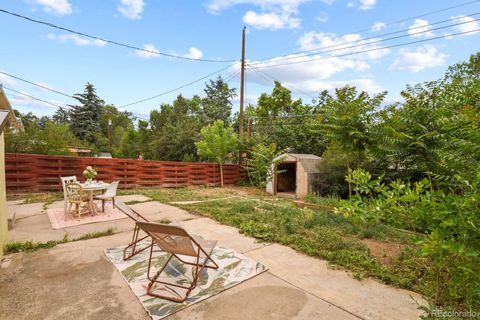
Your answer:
<point x="40" y="173"/>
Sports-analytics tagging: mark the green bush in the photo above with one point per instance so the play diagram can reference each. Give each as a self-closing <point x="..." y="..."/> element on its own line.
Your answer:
<point x="450" y="221"/>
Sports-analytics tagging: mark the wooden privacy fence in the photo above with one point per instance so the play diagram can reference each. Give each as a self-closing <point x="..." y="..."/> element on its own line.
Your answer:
<point x="39" y="173"/>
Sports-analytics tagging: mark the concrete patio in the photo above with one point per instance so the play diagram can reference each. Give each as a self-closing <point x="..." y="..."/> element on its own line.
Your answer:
<point x="76" y="280"/>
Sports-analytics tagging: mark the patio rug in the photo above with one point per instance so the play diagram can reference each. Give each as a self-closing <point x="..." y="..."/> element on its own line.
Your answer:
<point x="58" y="221"/>
<point x="234" y="268"/>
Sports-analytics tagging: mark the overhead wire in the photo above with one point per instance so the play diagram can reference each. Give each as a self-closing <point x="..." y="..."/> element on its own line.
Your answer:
<point x="46" y="88"/>
<point x="398" y="21"/>
<point x="269" y="65"/>
<point x="32" y="97"/>
<point x="117" y="43"/>
<point x="174" y="89"/>
<point x="265" y="76"/>
<point x="365" y="42"/>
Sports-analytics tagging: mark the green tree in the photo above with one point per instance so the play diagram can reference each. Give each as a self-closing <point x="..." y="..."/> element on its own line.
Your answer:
<point x="261" y="160"/>
<point x="217" y="103"/>
<point x="62" y="116"/>
<point x="288" y="123"/>
<point x="174" y="129"/>
<point x="41" y="140"/>
<point x="216" y="143"/>
<point x="85" y="117"/>
<point x="347" y="119"/>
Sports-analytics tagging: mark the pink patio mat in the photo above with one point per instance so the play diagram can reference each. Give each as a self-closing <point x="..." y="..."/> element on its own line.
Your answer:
<point x="58" y="220"/>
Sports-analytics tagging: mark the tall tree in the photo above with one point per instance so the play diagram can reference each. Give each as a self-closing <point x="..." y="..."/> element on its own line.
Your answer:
<point x="217" y="104"/>
<point x="85" y="116"/>
<point x="175" y="128"/>
<point x="216" y="143"/>
<point x="346" y="121"/>
<point x="62" y="116"/>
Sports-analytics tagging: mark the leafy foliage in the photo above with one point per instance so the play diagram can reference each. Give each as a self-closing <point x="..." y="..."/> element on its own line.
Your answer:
<point x="216" y="143"/>
<point x="449" y="220"/>
<point x="85" y="117"/>
<point x="260" y="162"/>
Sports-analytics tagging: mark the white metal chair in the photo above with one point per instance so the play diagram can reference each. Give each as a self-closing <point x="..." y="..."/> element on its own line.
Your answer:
<point x="65" y="181"/>
<point x="109" y="194"/>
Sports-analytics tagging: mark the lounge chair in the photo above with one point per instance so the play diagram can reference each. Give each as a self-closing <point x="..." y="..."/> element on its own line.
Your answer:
<point x="132" y="249"/>
<point x="177" y="242"/>
<point x="66" y="180"/>
<point x="109" y="194"/>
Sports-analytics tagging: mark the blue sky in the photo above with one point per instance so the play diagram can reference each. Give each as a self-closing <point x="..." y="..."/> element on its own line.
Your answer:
<point x="276" y="31"/>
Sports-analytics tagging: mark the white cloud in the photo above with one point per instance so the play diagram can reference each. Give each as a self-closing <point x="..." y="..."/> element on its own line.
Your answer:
<point x="131" y="9"/>
<point x="469" y="24"/>
<point x="215" y="6"/>
<point x="272" y="20"/>
<point x="273" y="14"/>
<point x="422" y="58"/>
<point x="316" y="75"/>
<point x="420" y="28"/>
<point x="45" y="86"/>
<point x="367" y="4"/>
<point x="315" y="86"/>
<point x="317" y="40"/>
<point x="194" y="53"/>
<point x="24" y="101"/>
<point x="60" y="7"/>
<point x="322" y="17"/>
<point x="6" y="80"/>
<point x="378" y="26"/>
<point x="77" y="40"/>
<point x="145" y="54"/>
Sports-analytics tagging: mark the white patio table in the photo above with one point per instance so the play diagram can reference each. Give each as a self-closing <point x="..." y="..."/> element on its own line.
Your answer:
<point x="91" y="187"/>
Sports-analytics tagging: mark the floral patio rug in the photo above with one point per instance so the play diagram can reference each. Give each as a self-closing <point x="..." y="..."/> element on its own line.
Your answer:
<point x="234" y="268"/>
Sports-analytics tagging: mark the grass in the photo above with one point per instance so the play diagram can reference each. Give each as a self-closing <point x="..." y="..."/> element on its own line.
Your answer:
<point x="166" y="195"/>
<point x="20" y="246"/>
<point x="316" y="232"/>
<point x="47" y="198"/>
<point x="164" y="221"/>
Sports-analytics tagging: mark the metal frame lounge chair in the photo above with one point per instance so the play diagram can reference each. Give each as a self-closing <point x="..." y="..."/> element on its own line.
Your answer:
<point x="177" y="242"/>
<point x="133" y="248"/>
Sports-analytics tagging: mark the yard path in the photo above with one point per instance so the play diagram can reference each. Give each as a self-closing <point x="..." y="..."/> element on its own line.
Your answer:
<point x="75" y="280"/>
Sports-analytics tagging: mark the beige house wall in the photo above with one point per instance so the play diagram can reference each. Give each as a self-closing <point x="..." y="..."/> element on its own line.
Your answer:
<point x="3" y="198"/>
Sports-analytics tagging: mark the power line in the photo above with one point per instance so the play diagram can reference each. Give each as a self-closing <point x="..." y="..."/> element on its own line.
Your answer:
<point x="175" y="89"/>
<point x="49" y="89"/>
<point x="34" y="98"/>
<point x="260" y="72"/>
<point x="425" y="14"/>
<point x="266" y="65"/>
<point x="121" y="44"/>
<point x="402" y="20"/>
<point x="364" y="41"/>
<point x="36" y="84"/>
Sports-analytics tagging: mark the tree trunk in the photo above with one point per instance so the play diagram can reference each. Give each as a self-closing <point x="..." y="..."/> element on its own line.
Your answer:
<point x="348" y="171"/>
<point x="221" y="174"/>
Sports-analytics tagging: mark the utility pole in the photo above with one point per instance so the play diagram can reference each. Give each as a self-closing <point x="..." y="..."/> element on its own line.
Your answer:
<point x="242" y="89"/>
<point x="109" y="133"/>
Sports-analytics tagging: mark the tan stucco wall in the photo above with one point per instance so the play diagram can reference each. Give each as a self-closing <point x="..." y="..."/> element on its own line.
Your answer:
<point x="3" y="197"/>
<point x="302" y="182"/>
